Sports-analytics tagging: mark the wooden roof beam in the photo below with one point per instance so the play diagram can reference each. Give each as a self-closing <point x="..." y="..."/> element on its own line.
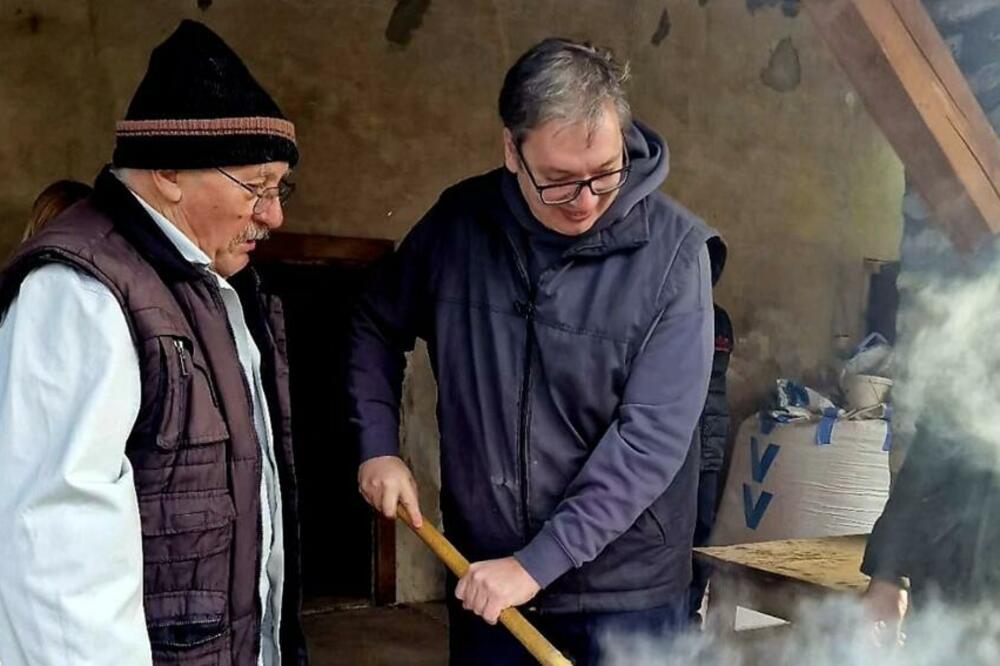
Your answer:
<point x="900" y="66"/>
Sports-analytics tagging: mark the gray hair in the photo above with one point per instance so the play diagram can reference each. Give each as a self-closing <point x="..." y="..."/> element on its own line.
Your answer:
<point x="561" y="79"/>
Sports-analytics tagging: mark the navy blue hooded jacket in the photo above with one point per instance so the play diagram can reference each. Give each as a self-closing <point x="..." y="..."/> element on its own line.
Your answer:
<point x="567" y="403"/>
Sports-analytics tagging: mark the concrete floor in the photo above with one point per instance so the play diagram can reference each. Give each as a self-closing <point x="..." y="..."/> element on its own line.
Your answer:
<point x="344" y="632"/>
<point x="410" y="635"/>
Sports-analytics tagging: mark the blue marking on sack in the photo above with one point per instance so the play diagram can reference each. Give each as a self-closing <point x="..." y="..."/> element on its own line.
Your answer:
<point x="753" y="511"/>
<point x="824" y="431"/>
<point x="760" y="465"/>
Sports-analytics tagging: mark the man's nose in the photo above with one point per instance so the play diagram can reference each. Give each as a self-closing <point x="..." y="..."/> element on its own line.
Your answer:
<point x="586" y="201"/>
<point x="270" y="213"/>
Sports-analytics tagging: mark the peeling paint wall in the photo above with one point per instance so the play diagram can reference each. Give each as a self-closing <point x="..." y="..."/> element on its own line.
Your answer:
<point x="395" y="100"/>
<point x="783" y="72"/>
<point x="419" y="576"/>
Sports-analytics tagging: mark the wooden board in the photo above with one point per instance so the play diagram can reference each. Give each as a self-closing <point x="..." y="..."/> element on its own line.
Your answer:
<point x="778" y="577"/>
<point x="830" y="563"/>
<point x="911" y="86"/>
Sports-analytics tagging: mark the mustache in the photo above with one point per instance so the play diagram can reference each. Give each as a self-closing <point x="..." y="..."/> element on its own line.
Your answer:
<point x="253" y="232"/>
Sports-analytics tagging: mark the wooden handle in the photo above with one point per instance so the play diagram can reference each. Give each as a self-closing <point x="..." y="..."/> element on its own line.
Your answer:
<point x="539" y="647"/>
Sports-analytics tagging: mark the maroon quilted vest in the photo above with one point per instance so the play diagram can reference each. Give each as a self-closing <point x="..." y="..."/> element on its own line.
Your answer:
<point x="194" y="451"/>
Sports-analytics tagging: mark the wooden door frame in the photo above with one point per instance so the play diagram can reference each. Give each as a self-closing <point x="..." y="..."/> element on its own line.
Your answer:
<point x="360" y="252"/>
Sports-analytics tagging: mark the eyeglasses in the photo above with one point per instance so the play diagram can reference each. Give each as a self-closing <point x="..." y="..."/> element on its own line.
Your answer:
<point x="265" y="195"/>
<point x="562" y="193"/>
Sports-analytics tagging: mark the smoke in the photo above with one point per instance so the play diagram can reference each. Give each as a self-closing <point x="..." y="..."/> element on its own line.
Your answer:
<point x="947" y="362"/>
<point x="947" y="357"/>
<point x="834" y="632"/>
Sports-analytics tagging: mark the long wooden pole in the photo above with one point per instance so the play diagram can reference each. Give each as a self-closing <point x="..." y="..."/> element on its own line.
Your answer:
<point x="533" y="641"/>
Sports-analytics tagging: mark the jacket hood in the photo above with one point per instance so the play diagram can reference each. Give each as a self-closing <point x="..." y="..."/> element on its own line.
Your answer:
<point x="649" y="159"/>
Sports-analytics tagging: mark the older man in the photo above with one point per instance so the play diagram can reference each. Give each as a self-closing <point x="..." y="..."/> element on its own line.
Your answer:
<point x="567" y="307"/>
<point x="148" y="503"/>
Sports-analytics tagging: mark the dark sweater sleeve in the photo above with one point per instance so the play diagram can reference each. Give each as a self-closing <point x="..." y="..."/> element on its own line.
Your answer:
<point x="928" y="500"/>
<point x="646" y="445"/>
<point x="390" y="316"/>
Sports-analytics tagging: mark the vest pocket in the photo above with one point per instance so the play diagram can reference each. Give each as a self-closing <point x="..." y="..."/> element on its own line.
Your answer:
<point x="188" y="627"/>
<point x="188" y="405"/>
<point x="661" y="530"/>
<point x="186" y="540"/>
<point x="186" y="526"/>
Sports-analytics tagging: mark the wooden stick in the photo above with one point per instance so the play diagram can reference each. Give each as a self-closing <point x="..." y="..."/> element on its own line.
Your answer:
<point x="533" y="641"/>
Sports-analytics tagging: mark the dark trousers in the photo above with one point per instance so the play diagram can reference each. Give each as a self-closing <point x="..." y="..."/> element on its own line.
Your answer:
<point x="708" y="499"/>
<point x="582" y="637"/>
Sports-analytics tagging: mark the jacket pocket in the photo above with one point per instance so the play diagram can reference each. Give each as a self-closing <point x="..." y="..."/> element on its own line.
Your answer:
<point x="186" y="526"/>
<point x="188" y="627"/>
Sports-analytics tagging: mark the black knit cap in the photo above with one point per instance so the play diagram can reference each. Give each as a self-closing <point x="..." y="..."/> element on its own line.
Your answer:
<point x="199" y="107"/>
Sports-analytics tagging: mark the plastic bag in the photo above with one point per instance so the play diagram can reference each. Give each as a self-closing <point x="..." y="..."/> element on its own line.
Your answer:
<point x="872" y="357"/>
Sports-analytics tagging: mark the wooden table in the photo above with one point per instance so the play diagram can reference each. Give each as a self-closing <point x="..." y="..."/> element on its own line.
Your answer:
<point x="774" y="577"/>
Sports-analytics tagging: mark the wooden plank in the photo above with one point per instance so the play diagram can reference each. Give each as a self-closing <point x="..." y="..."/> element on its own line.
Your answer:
<point x="904" y="72"/>
<point x="776" y="577"/>
<point x="772" y="595"/>
<point x="284" y="246"/>
<point x="952" y="80"/>
<point x="830" y="563"/>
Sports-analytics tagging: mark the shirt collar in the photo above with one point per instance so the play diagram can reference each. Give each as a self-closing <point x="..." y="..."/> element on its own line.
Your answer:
<point x="184" y="245"/>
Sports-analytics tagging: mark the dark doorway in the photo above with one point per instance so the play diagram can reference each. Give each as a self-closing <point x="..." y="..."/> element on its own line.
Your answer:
<point x="883" y="299"/>
<point x="319" y="279"/>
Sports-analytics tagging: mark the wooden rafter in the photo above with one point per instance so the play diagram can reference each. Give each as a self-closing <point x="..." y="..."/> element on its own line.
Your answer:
<point x="913" y="89"/>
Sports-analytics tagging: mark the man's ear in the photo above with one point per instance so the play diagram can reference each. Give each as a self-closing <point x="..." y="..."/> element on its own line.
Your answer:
<point x="510" y="158"/>
<point x="166" y="183"/>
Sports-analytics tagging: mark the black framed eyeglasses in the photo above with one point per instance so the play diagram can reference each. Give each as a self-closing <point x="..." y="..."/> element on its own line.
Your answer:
<point x="265" y="195"/>
<point x="558" y="194"/>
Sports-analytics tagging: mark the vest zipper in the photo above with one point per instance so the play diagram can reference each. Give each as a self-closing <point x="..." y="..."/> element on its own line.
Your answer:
<point x="527" y="310"/>
<point x="183" y="357"/>
<point x="213" y="288"/>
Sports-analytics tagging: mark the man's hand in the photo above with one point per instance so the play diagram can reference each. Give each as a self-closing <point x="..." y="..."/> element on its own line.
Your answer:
<point x="886" y="604"/>
<point x="494" y="585"/>
<point x="386" y="481"/>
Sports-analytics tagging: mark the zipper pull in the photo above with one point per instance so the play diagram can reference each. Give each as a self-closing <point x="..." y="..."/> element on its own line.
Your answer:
<point x="525" y="308"/>
<point x="182" y="354"/>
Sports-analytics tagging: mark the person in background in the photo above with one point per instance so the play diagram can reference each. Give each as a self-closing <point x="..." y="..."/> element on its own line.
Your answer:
<point x="53" y="200"/>
<point x="714" y="429"/>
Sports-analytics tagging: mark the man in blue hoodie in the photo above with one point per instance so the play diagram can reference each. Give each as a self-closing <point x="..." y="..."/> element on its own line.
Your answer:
<point x="567" y="308"/>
